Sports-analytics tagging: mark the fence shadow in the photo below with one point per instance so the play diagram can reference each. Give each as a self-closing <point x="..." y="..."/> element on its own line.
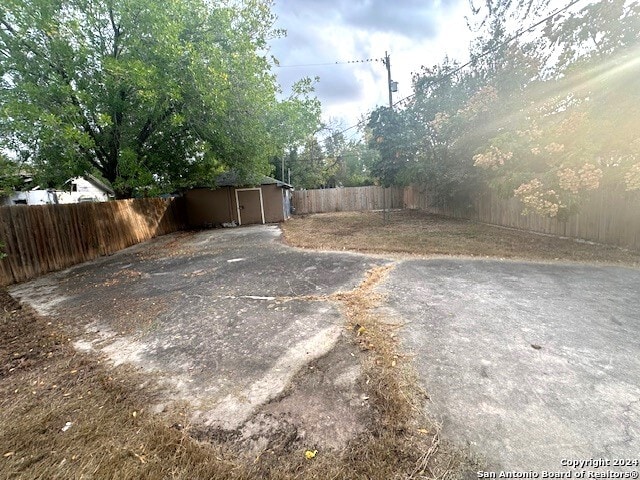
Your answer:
<point x="44" y="238"/>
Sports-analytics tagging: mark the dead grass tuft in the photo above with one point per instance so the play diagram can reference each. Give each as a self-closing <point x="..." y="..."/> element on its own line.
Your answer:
<point x="71" y="415"/>
<point x="409" y="232"/>
<point x="400" y="427"/>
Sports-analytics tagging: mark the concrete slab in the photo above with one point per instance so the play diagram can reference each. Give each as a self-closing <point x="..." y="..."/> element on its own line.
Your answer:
<point x="527" y="364"/>
<point x="223" y="316"/>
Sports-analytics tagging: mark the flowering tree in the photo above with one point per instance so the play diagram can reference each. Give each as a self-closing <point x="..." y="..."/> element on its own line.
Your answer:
<point x="547" y="120"/>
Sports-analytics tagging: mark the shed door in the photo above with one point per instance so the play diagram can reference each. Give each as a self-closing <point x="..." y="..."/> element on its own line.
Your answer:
<point x="249" y="206"/>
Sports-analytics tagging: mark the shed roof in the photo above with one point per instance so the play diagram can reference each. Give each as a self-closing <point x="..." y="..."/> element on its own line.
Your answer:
<point x="232" y="179"/>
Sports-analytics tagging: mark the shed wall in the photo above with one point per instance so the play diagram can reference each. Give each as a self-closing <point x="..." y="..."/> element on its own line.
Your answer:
<point x="273" y="203"/>
<point x="206" y="207"/>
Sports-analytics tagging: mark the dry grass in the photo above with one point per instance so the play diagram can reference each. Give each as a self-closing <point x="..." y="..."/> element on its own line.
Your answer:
<point x="417" y="233"/>
<point x="402" y="438"/>
<point x="45" y="383"/>
<point x="392" y="385"/>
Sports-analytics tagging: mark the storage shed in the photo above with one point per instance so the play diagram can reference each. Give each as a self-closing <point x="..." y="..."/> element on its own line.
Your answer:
<point x="265" y="201"/>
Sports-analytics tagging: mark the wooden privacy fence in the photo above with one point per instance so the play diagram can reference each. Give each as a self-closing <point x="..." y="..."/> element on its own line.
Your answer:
<point x="44" y="238"/>
<point x="608" y="216"/>
<point x="347" y="199"/>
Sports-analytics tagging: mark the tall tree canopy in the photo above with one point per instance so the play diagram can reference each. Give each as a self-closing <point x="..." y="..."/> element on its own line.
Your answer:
<point x="546" y="117"/>
<point x="150" y="95"/>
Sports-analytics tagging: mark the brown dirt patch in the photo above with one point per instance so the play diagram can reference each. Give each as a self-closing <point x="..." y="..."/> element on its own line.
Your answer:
<point x="409" y="232"/>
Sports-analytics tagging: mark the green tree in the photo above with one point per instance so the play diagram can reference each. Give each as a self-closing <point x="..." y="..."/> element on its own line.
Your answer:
<point x="429" y="141"/>
<point x="449" y="110"/>
<point x="153" y="97"/>
<point x="352" y="162"/>
<point x="292" y="122"/>
<point x="392" y="134"/>
<point x="334" y="162"/>
<point x="547" y="119"/>
<point x="308" y="165"/>
<point x="9" y="176"/>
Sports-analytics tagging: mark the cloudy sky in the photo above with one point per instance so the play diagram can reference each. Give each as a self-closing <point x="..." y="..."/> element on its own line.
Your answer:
<point x="414" y="32"/>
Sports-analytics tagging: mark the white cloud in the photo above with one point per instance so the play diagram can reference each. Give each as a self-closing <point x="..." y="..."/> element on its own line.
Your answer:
<point x="414" y="32"/>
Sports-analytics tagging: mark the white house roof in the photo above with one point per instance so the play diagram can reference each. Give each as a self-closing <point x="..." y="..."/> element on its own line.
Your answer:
<point x="96" y="182"/>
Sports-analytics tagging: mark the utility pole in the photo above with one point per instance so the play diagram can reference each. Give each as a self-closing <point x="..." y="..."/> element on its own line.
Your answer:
<point x="387" y="63"/>
<point x="393" y="87"/>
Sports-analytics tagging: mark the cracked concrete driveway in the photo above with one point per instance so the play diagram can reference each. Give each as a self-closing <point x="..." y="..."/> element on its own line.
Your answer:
<point x="226" y="318"/>
<point x="525" y="364"/>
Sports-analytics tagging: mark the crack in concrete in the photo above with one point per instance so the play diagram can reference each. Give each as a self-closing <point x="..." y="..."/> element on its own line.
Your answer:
<point x="627" y="427"/>
<point x="373" y="277"/>
<point x="283" y="389"/>
<point x="229" y="413"/>
<point x="233" y="409"/>
<point x="276" y="381"/>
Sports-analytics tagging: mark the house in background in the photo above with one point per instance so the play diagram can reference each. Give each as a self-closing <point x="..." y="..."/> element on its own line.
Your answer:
<point x="265" y="200"/>
<point x="78" y="189"/>
<point x="85" y="189"/>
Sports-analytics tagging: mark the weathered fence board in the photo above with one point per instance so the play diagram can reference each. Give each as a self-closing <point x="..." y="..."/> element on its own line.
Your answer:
<point x="347" y="199"/>
<point x="608" y="216"/>
<point x="44" y="238"/>
<point x="40" y="239"/>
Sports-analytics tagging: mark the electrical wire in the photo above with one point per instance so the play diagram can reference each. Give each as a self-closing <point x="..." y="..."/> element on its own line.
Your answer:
<point x="497" y="47"/>
<point x="349" y="62"/>
<point x="473" y="60"/>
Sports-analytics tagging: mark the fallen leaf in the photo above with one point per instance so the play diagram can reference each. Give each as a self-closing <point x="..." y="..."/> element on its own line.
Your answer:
<point x="9" y="454"/>
<point x="423" y="431"/>
<point x="309" y="454"/>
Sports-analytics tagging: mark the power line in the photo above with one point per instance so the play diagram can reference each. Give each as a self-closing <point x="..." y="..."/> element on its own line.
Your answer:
<point x="348" y="62"/>
<point x="475" y="59"/>
<point x="500" y="45"/>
